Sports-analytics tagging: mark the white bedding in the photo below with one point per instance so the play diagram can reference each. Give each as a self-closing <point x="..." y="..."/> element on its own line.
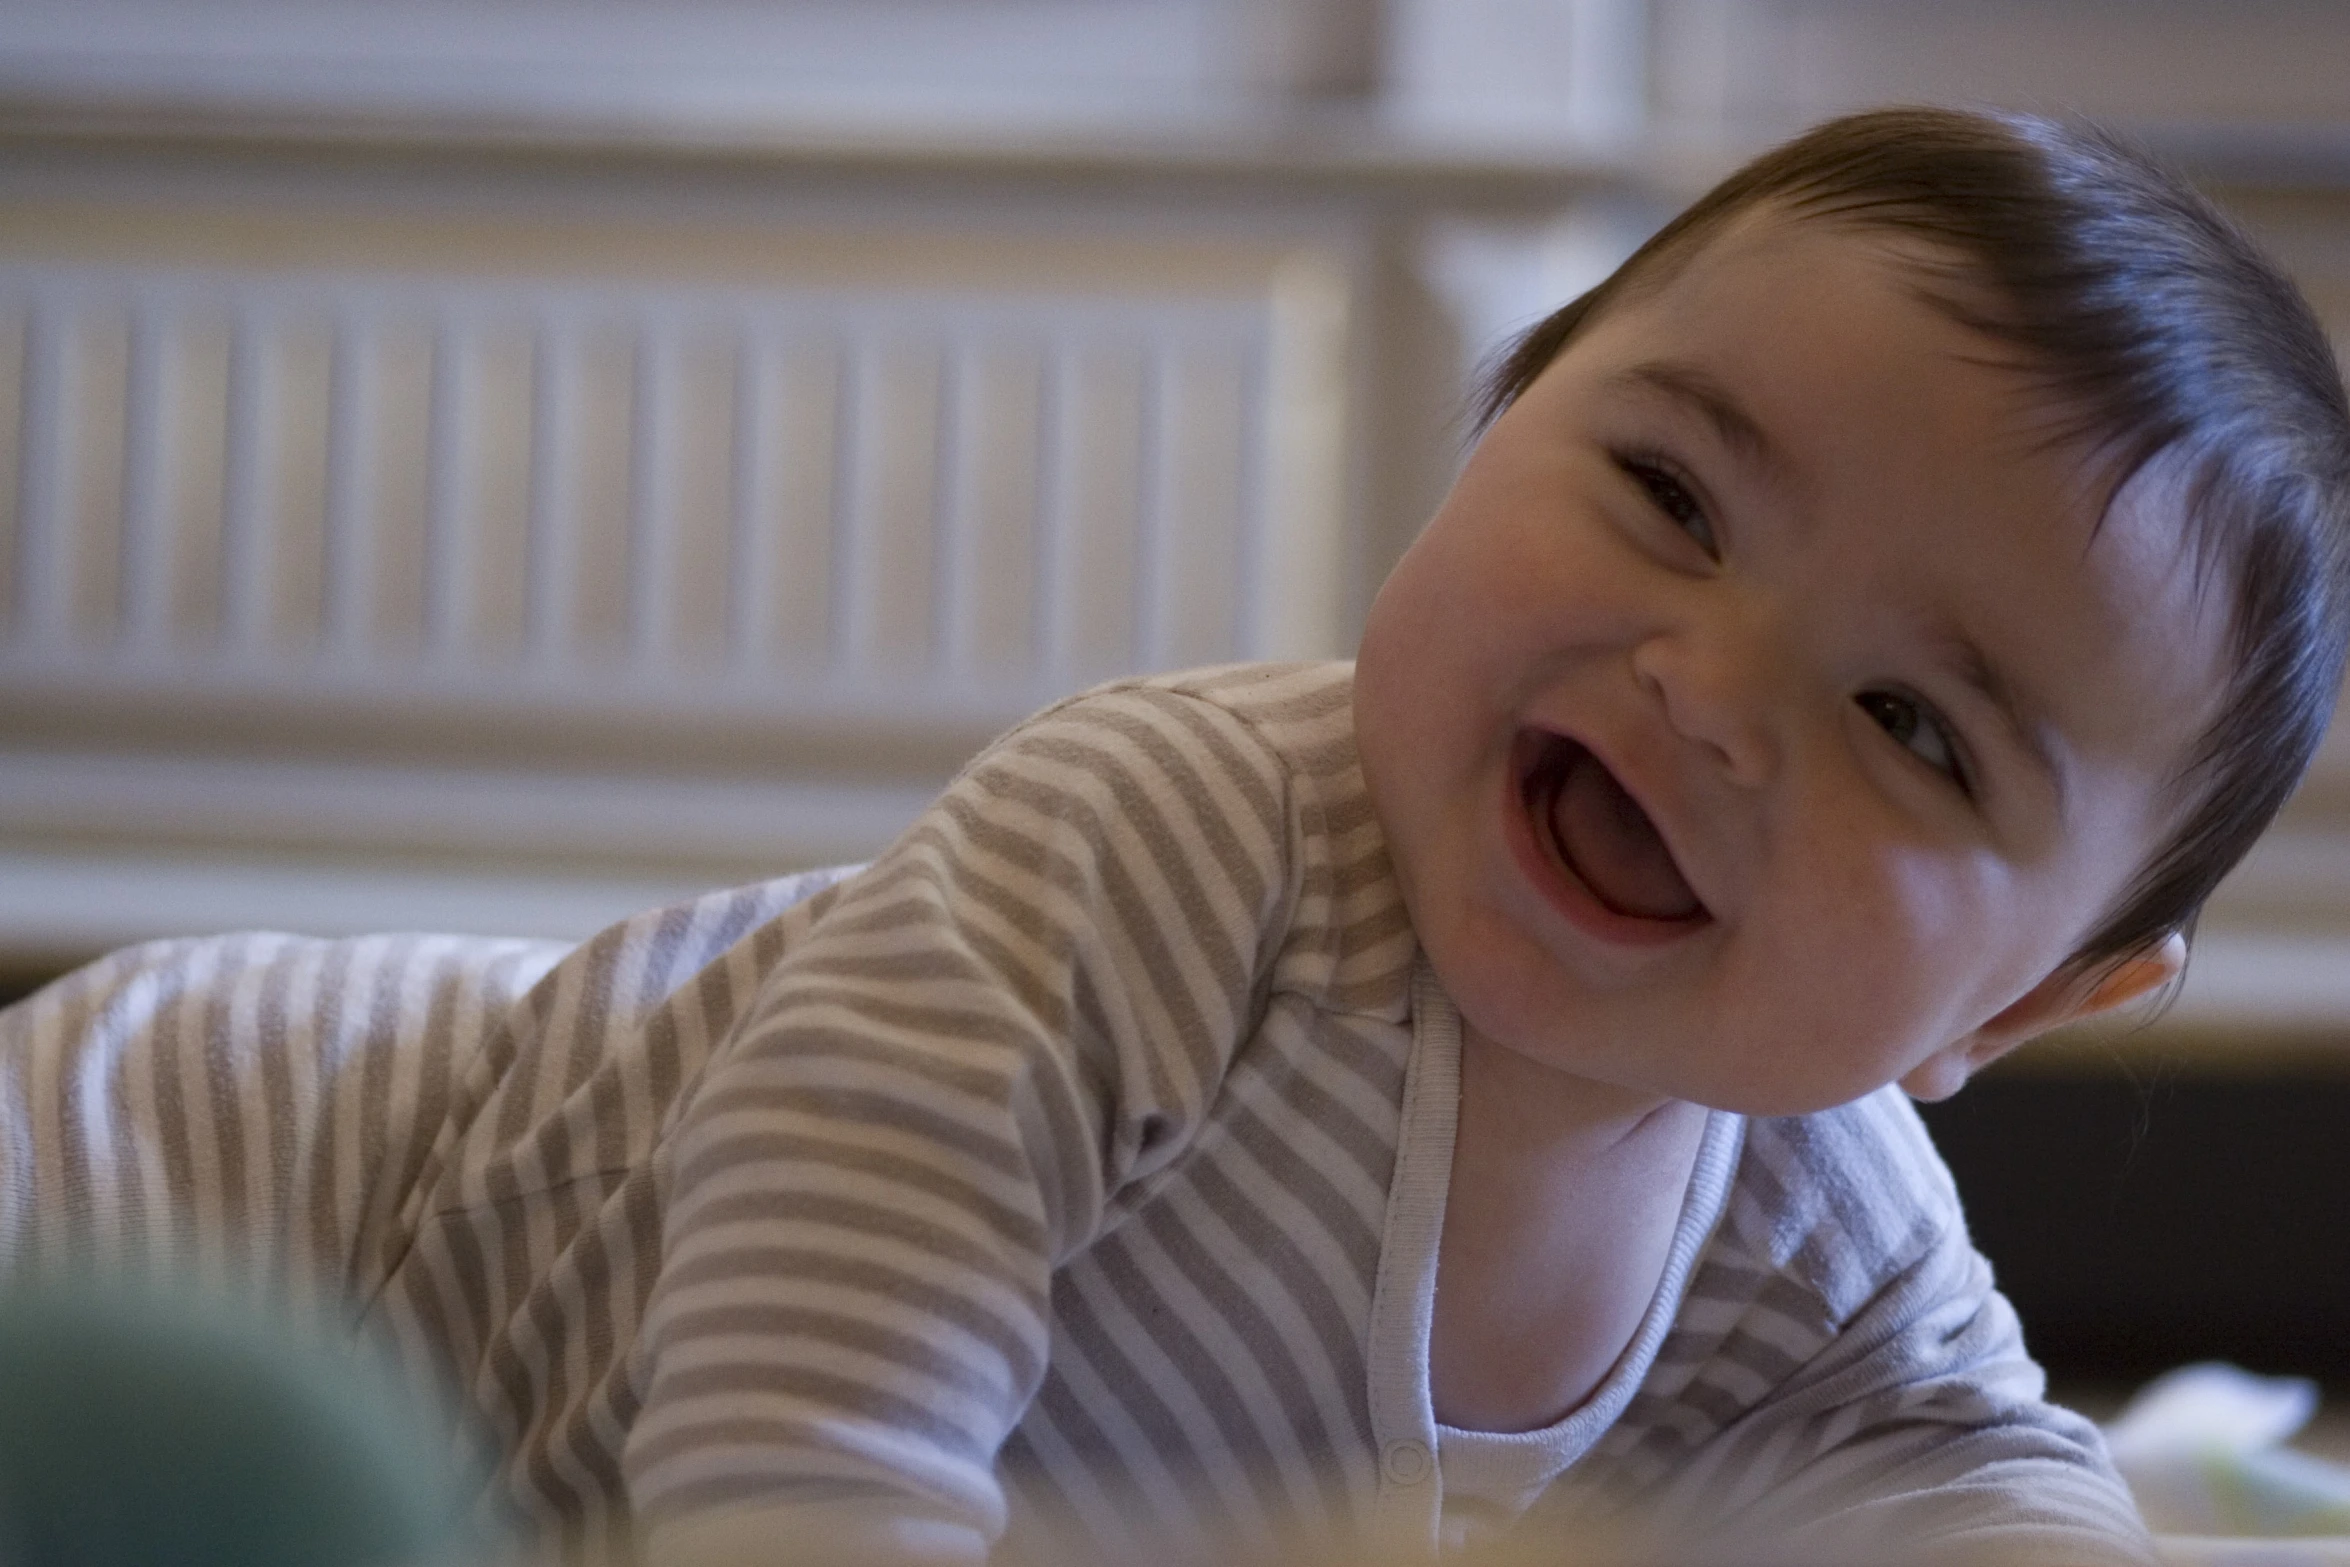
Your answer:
<point x="2204" y="1449"/>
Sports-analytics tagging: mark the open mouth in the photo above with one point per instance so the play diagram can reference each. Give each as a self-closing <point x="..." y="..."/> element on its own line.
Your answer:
<point x="1590" y="825"/>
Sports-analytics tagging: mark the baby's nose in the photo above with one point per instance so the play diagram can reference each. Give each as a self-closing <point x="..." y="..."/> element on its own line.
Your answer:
<point x="1716" y="692"/>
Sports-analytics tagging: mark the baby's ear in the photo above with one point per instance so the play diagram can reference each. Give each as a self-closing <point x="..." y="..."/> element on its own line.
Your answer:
<point x="2066" y="996"/>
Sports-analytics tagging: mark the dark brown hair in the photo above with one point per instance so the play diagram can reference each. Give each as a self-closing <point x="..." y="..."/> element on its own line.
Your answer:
<point x="2159" y="330"/>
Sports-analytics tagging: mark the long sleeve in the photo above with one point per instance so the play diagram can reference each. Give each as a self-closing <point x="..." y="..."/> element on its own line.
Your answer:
<point x="1846" y="1384"/>
<point x="1926" y="1438"/>
<point x="972" y="1055"/>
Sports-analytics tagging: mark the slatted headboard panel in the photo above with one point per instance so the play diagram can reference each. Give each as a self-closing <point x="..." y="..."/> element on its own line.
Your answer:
<point x="269" y="508"/>
<point x="793" y="497"/>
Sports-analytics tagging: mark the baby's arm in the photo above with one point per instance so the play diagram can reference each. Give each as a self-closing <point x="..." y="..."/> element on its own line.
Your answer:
<point x="1017" y="1012"/>
<point x="1894" y="1414"/>
<point x="1926" y="1439"/>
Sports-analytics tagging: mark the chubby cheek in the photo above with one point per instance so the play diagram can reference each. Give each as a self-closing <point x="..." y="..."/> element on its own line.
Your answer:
<point x="1445" y="662"/>
<point x="1890" y="954"/>
<point x="1429" y="640"/>
<point x="1506" y="570"/>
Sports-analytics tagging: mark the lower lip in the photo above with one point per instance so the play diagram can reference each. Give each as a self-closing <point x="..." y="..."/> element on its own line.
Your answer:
<point x="1564" y="891"/>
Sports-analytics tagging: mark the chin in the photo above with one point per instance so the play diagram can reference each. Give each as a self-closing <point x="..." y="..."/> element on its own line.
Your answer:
<point x="1733" y="1076"/>
<point x="1807" y="1097"/>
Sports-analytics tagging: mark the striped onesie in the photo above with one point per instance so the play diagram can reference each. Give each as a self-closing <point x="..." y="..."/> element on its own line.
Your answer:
<point x="1071" y="1176"/>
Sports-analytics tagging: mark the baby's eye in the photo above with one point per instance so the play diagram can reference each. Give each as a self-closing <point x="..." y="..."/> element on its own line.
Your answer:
<point x="1919" y="729"/>
<point x="1672" y="497"/>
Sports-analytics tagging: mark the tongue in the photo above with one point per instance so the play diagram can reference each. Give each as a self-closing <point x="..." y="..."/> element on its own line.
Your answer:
<point x="1614" y="847"/>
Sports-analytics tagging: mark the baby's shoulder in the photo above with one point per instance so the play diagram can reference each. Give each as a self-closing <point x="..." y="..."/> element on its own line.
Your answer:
<point x="1279" y="736"/>
<point x="1303" y="712"/>
<point x="1250" y="771"/>
<point x="1270" y="693"/>
<point x="1838" y="1202"/>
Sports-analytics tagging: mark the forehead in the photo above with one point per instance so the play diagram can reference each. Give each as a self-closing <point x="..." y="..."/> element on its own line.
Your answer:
<point x="1923" y="452"/>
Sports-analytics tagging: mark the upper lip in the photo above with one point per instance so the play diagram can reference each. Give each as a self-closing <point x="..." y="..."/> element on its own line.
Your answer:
<point x="1641" y="795"/>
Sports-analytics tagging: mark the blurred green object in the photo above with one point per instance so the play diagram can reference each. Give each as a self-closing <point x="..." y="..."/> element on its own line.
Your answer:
<point x="136" y="1431"/>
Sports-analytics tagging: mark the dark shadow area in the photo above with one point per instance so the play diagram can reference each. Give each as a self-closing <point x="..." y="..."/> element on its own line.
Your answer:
<point x="2187" y="1216"/>
<point x="20" y="981"/>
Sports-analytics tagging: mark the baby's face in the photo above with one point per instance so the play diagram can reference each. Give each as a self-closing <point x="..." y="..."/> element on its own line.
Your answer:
<point x="1765" y="712"/>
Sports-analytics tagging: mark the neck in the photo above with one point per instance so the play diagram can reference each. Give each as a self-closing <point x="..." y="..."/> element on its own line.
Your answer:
<point x="1564" y="1197"/>
<point x="1539" y="1114"/>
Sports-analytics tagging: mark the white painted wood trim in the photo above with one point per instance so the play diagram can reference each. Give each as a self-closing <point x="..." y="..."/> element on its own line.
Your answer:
<point x="59" y="908"/>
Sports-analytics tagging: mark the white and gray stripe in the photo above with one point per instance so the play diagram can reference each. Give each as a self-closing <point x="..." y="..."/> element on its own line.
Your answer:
<point x="1047" y="1176"/>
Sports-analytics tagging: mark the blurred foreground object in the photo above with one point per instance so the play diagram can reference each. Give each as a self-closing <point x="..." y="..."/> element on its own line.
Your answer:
<point x="136" y="1432"/>
<point x="2203" y="1450"/>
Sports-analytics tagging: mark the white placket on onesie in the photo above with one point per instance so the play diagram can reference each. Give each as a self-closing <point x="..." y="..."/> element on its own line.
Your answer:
<point x="1422" y="1463"/>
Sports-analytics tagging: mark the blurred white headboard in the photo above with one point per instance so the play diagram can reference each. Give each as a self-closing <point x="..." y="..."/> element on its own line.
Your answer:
<point x="678" y="548"/>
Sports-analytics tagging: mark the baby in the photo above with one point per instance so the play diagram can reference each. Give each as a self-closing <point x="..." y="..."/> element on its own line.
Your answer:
<point x="1447" y="1099"/>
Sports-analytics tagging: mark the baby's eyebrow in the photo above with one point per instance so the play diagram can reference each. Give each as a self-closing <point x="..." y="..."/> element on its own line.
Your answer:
<point x="1686" y="383"/>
